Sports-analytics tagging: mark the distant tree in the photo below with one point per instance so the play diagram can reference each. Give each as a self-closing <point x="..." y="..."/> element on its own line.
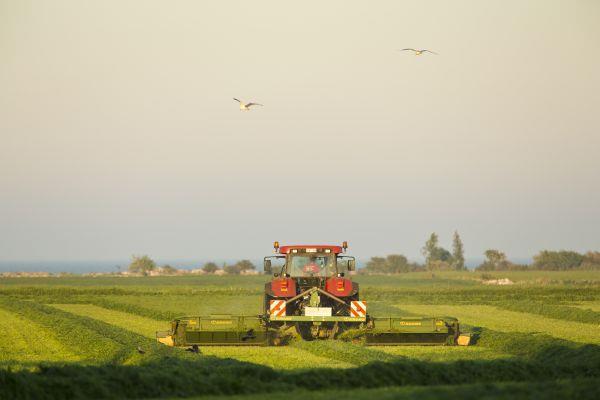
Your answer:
<point x="167" y="269"/>
<point x="141" y="264"/>
<point x="591" y="260"/>
<point x="237" y="268"/>
<point x="458" y="253"/>
<point x="434" y="253"/>
<point x="397" y="263"/>
<point x="392" y="264"/>
<point x="495" y="260"/>
<point x="210" y="267"/>
<point x="430" y="248"/>
<point x="245" y="265"/>
<point x="376" y="265"/>
<point x="557" y="260"/>
<point x="230" y="269"/>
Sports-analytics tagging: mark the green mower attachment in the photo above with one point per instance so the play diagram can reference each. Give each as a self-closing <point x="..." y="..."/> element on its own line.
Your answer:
<point x="230" y="330"/>
<point x="216" y="330"/>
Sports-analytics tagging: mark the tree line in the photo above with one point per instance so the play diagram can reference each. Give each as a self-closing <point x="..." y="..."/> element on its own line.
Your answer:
<point x="144" y="265"/>
<point x="438" y="258"/>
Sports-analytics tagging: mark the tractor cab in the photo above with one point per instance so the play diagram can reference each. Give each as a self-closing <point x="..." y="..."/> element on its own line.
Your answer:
<point x="308" y="261"/>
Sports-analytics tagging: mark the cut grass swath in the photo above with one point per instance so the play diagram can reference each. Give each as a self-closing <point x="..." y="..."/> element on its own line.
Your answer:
<point x="444" y="353"/>
<point x="206" y="376"/>
<point x="25" y="343"/>
<point x="130" y="322"/>
<point x="511" y="321"/>
<point x="275" y="357"/>
<point x="95" y="341"/>
<point x="279" y="358"/>
<point x="354" y="354"/>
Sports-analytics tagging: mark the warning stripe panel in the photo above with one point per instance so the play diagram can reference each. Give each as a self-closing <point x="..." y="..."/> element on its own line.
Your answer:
<point x="277" y="308"/>
<point x="358" y="309"/>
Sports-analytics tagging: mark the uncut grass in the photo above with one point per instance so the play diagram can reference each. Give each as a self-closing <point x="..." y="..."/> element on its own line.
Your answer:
<point x="175" y="284"/>
<point x="26" y="343"/>
<point x="164" y="284"/>
<point x="482" y="295"/>
<point x="511" y="321"/>
<point x="473" y="278"/>
<point x="568" y="313"/>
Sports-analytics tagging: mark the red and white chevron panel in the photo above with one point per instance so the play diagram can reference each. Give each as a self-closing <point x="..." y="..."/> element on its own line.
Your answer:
<point x="277" y="308"/>
<point x="358" y="309"/>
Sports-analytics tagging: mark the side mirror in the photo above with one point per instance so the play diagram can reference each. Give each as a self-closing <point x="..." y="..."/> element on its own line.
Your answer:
<point x="351" y="265"/>
<point x="267" y="266"/>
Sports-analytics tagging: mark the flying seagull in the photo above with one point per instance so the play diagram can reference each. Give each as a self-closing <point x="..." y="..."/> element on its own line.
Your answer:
<point x="246" y="106"/>
<point x="418" y="52"/>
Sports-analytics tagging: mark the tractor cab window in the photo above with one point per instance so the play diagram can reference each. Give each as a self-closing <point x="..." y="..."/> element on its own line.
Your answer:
<point x="312" y="265"/>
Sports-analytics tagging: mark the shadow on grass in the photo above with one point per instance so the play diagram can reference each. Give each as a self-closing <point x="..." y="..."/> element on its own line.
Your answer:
<point x="541" y="358"/>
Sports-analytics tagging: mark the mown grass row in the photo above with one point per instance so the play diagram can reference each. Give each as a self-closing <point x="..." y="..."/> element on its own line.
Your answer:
<point x="511" y="321"/>
<point x="146" y="327"/>
<point x="275" y="357"/>
<point x="95" y="341"/>
<point x="25" y="343"/>
<point x="562" y="355"/>
<point x="541" y="359"/>
<point x="355" y="354"/>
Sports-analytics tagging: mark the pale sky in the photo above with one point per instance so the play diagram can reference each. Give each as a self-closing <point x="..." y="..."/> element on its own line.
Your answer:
<point x="119" y="135"/>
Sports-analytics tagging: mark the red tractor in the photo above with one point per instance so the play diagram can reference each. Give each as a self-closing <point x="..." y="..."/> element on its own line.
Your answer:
<point x="312" y="293"/>
<point x="313" y="290"/>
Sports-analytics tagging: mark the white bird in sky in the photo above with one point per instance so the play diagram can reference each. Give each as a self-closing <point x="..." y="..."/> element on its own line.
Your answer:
<point x="246" y="106"/>
<point x="418" y="52"/>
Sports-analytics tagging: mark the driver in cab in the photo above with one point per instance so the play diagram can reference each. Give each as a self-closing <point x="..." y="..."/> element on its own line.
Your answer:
<point x="313" y="266"/>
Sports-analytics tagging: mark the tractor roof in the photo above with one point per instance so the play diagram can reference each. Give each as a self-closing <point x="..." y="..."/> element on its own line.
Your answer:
<point x="309" y="248"/>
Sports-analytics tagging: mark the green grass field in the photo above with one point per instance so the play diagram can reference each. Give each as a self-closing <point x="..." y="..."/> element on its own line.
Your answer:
<point x="77" y="337"/>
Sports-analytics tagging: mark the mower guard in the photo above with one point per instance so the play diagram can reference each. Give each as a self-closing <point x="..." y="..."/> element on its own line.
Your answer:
<point x="218" y="330"/>
<point x="232" y="330"/>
